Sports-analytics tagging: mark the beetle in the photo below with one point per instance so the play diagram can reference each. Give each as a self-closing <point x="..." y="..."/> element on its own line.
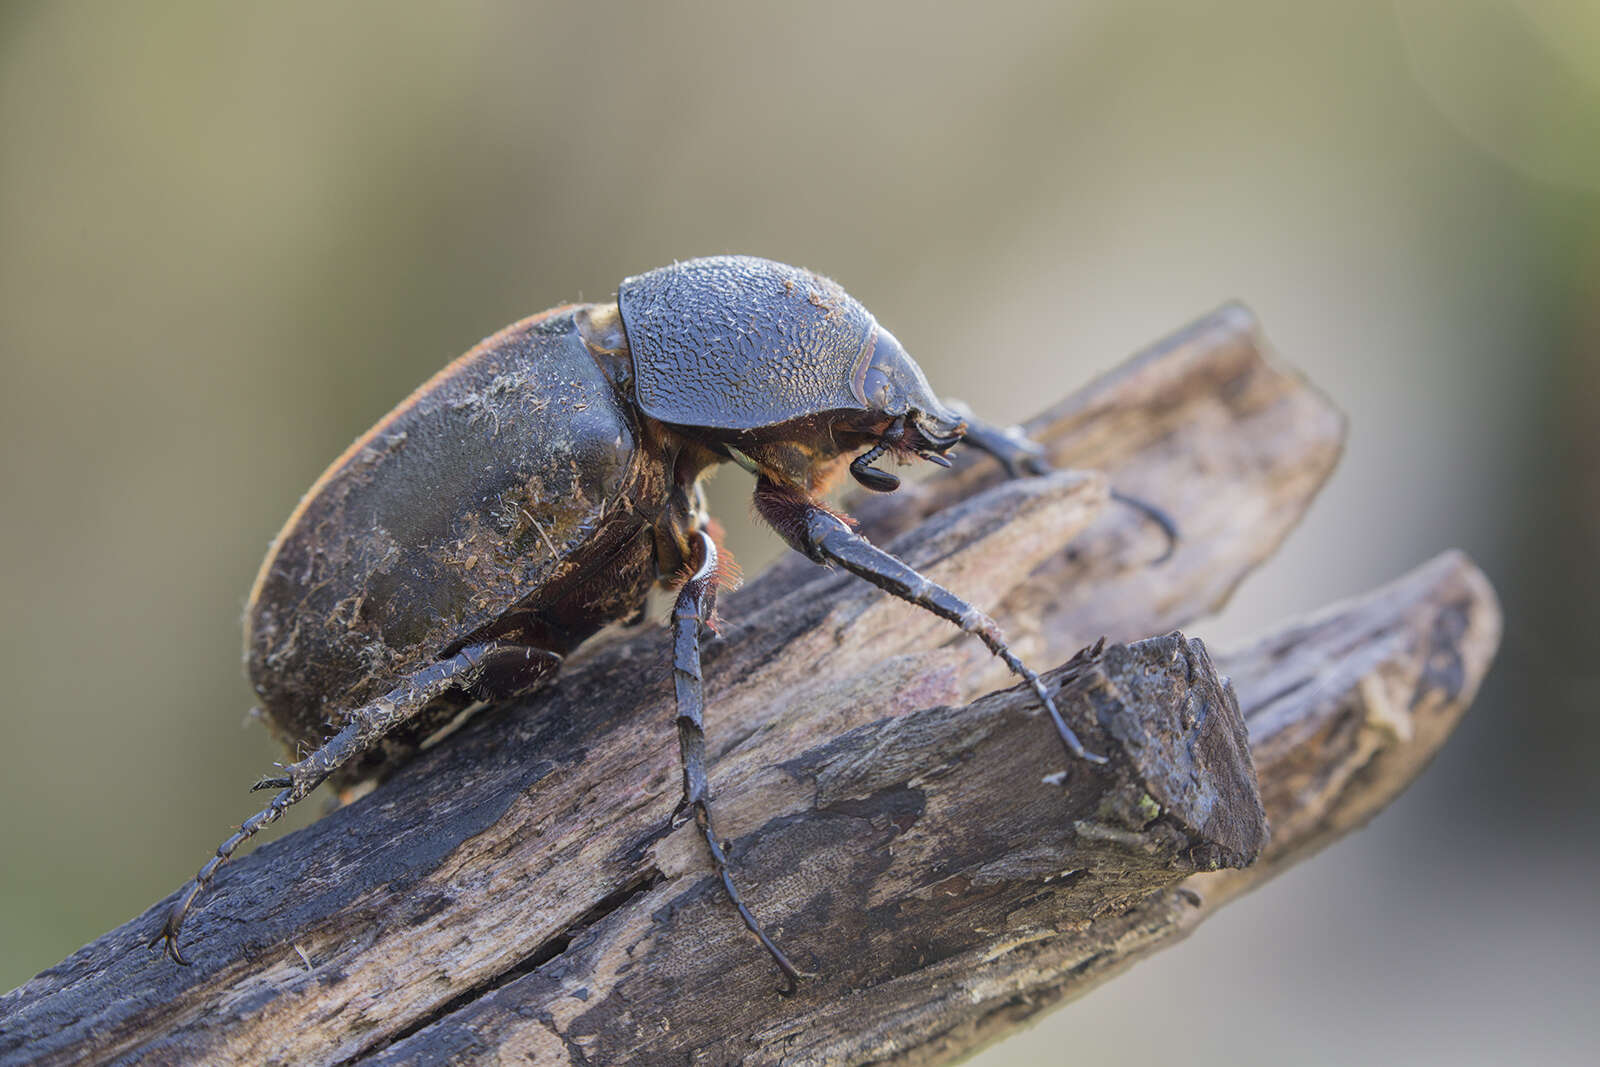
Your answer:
<point x="537" y="488"/>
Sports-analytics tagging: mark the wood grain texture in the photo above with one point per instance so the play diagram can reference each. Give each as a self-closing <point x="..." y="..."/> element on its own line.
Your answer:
<point x="1344" y="710"/>
<point x="517" y="894"/>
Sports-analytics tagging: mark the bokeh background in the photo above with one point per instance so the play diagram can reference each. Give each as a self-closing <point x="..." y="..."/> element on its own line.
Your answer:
<point x="231" y="236"/>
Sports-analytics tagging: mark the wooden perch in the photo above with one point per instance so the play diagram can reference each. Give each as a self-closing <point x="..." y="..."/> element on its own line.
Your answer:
<point x="517" y="894"/>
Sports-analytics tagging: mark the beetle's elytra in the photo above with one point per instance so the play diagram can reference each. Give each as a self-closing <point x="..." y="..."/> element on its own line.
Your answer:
<point x="536" y="489"/>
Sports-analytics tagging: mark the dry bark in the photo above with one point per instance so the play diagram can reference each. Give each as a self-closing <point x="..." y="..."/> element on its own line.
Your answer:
<point x="516" y="893"/>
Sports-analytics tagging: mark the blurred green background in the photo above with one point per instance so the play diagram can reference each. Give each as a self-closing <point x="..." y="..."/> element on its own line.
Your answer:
<point x="232" y="236"/>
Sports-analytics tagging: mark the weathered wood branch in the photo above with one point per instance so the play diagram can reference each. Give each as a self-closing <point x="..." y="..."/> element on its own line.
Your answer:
<point x="1344" y="710"/>
<point x="516" y="892"/>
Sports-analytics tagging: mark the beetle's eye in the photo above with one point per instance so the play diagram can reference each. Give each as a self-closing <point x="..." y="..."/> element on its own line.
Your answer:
<point x="876" y="388"/>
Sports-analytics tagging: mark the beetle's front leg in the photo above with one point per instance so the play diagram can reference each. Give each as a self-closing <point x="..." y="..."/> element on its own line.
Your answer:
<point x="1018" y="453"/>
<point x="827" y="538"/>
<point x="1022" y="456"/>
<point x="693" y="610"/>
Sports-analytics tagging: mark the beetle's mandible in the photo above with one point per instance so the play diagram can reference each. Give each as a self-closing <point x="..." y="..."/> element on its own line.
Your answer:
<point x="535" y="490"/>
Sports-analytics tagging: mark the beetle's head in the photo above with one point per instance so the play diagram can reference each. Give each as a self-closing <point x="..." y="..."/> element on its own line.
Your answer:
<point x="895" y="389"/>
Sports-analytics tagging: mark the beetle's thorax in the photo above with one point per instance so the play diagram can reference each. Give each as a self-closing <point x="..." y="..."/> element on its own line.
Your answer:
<point x="739" y="343"/>
<point x="772" y="367"/>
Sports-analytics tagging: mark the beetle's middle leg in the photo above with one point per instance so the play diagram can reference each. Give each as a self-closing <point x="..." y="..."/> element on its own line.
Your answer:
<point x="693" y="609"/>
<point x="367" y="727"/>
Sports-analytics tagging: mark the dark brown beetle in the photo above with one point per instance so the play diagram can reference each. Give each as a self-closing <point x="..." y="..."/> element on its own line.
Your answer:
<point x="535" y="490"/>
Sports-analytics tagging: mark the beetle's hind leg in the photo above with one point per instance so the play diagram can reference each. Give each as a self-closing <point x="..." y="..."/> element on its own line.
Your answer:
<point x="693" y="609"/>
<point x="506" y="671"/>
<point x="491" y="663"/>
